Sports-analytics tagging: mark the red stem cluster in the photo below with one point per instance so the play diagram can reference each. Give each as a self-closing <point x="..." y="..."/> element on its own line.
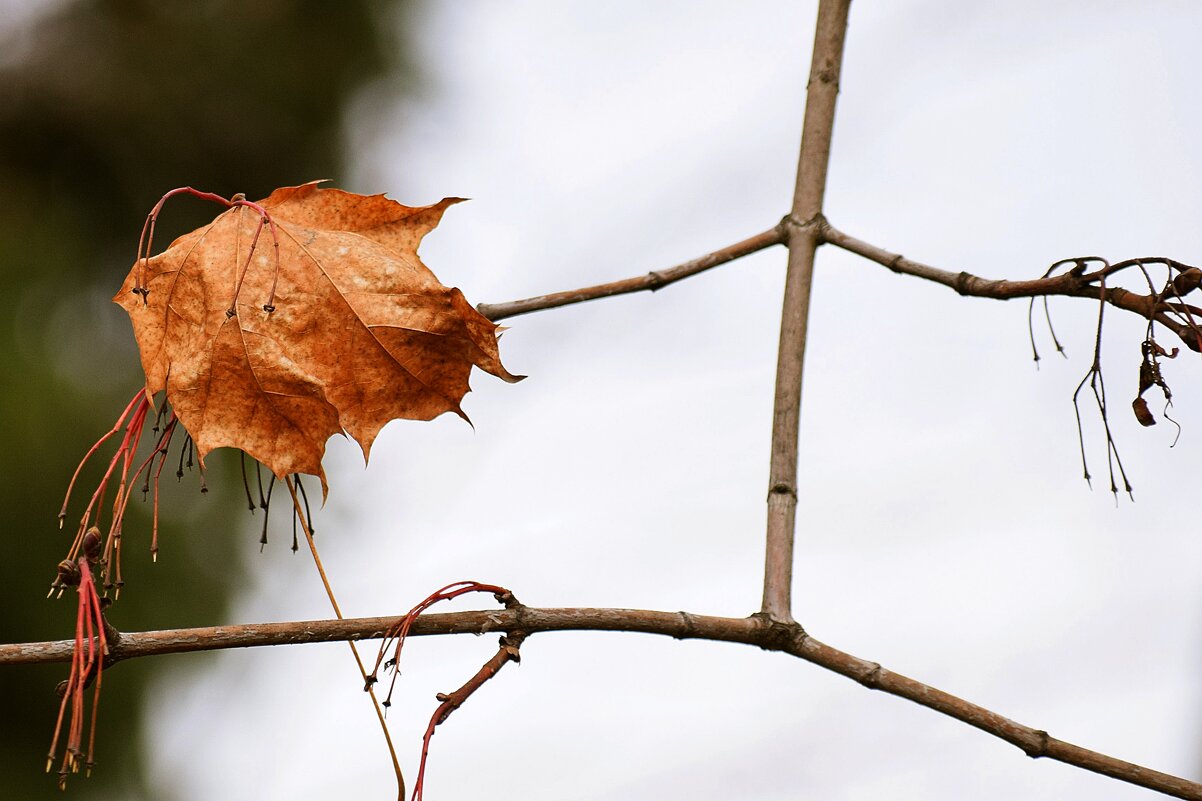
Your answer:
<point x="93" y="549"/>
<point x="87" y="663"/>
<point x="133" y="420"/>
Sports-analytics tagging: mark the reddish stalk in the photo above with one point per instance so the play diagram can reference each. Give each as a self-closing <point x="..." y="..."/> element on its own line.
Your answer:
<point x="307" y="527"/>
<point x="400" y="630"/>
<point x="146" y="240"/>
<point x="159" y="452"/>
<point x="62" y="515"/>
<point x="169" y="431"/>
<point x="124" y="455"/>
<point x="508" y="652"/>
<point x="254" y="242"/>
<point x="134" y="419"/>
<point x="87" y="663"/>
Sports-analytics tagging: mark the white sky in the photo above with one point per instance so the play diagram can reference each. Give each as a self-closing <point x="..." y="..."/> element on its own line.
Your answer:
<point x="944" y="527"/>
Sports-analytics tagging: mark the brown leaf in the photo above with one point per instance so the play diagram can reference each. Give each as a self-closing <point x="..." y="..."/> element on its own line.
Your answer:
<point x="344" y="331"/>
<point x="1142" y="413"/>
<point x="1187" y="281"/>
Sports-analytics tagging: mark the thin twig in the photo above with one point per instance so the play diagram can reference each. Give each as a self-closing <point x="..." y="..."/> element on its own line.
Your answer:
<point x="755" y="630"/>
<point x="652" y="281"/>
<point x="1074" y="283"/>
<point x="449" y="702"/>
<point x="306" y="526"/>
<point x="509" y="650"/>
<point x="803" y="223"/>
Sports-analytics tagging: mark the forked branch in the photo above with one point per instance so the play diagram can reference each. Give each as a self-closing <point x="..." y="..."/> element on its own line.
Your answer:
<point x="773" y="628"/>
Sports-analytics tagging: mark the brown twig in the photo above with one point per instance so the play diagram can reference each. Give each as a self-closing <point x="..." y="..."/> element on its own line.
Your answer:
<point x="756" y="630"/>
<point x="1075" y="283"/>
<point x="652" y="281"/>
<point x="803" y="223"/>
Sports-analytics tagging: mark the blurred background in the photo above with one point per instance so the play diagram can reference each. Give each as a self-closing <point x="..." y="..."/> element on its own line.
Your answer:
<point x="944" y="529"/>
<point x="103" y="107"/>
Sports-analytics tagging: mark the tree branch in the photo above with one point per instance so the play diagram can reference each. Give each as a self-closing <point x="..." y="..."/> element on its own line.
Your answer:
<point x="803" y="224"/>
<point x="758" y="630"/>
<point x="1075" y="283"/>
<point x="657" y="279"/>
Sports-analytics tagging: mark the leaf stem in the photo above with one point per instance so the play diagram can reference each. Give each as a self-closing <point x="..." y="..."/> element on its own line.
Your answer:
<point x="325" y="581"/>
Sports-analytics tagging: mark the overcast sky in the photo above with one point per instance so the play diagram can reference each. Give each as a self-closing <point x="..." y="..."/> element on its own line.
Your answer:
<point x="944" y="528"/>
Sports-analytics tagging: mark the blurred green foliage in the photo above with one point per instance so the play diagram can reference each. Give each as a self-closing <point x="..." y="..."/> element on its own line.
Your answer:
<point x="105" y="105"/>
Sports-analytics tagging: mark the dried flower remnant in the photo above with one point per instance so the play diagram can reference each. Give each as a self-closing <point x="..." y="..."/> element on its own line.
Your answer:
<point x="1164" y="305"/>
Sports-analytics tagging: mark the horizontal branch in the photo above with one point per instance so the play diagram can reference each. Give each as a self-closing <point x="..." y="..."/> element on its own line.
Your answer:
<point x="652" y="281"/>
<point x="1074" y="283"/>
<point x="754" y="630"/>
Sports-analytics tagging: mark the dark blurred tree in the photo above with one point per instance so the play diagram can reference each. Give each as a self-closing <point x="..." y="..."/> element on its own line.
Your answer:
<point x="104" y="105"/>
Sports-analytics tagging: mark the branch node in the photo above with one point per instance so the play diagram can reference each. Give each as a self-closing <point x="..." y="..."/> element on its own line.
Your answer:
<point x="782" y="228"/>
<point x="508" y="600"/>
<point x="824" y="228"/>
<point x="1040" y="747"/>
<point x="872" y="679"/>
<point x="113" y="640"/>
<point x="963" y="281"/>
<point x="781" y="488"/>
<point x="689" y="629"/>
<point x="778" y="635"/>
<point x="519" y="617"/>
<point x="791" y="222"/>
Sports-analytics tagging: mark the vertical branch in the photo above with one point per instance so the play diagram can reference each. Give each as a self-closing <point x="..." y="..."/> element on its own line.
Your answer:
<point x="803" y="225"/>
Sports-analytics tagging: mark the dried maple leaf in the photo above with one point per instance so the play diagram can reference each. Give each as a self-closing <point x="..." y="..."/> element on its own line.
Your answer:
<point x="277" y="325"/>
<point x="301" y="316"/>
